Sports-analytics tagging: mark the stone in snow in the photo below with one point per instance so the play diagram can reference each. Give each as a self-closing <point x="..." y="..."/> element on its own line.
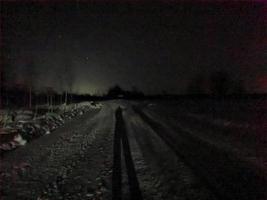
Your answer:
<point x="20" y="140"/>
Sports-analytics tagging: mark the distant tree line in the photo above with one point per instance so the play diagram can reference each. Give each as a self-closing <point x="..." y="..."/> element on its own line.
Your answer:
<point x="218" y="83"/>
<point x="19" y="97"/>
<point x="25" y="94"/>
<point x="117" y="92"/>
<point x="18" y="85"/>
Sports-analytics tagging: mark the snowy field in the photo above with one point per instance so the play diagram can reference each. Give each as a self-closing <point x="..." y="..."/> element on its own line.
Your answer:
<point x="217" y="137"/>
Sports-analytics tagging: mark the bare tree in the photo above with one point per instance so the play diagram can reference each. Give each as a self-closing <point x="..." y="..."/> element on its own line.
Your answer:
<point x="60" y="79"/>
<point x="49" y="94"/>
<point x="7" y="76"/>
<point x="29" y="75"/>
<point x="68" y="78"/>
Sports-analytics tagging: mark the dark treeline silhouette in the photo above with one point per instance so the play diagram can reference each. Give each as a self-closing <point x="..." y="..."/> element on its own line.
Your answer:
<point x="117" y="92"/>
<point x="18" y="97"/>
<point x="19" y="86"/>
<point x="218" y="83"/>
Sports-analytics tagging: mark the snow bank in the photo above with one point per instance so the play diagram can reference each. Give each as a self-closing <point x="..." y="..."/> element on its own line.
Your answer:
<point x="22" y="126"/>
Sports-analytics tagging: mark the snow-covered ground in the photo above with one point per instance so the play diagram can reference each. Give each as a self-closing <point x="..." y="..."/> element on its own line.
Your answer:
<point x="175" y="149"/>
<point x="17" y="127"/>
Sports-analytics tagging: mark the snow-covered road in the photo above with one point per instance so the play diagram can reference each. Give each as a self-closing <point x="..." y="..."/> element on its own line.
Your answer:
<point x="132" y="153"/>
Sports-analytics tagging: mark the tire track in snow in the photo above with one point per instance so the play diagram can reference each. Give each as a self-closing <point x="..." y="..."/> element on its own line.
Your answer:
<point x="227" y="177"/>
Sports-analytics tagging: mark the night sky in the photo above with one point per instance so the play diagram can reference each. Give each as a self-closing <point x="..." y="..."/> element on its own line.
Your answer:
<point x="153" y="47"/>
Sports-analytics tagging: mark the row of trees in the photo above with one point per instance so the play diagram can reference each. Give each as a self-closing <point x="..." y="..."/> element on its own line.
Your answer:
<point x="19" y="88"/>
<point x="117" y="92"/>
<point x="219" y="83"/>
<point x="24" y="82"/>
<point x="23" y="96"/>
<point x="26" y="97"/>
